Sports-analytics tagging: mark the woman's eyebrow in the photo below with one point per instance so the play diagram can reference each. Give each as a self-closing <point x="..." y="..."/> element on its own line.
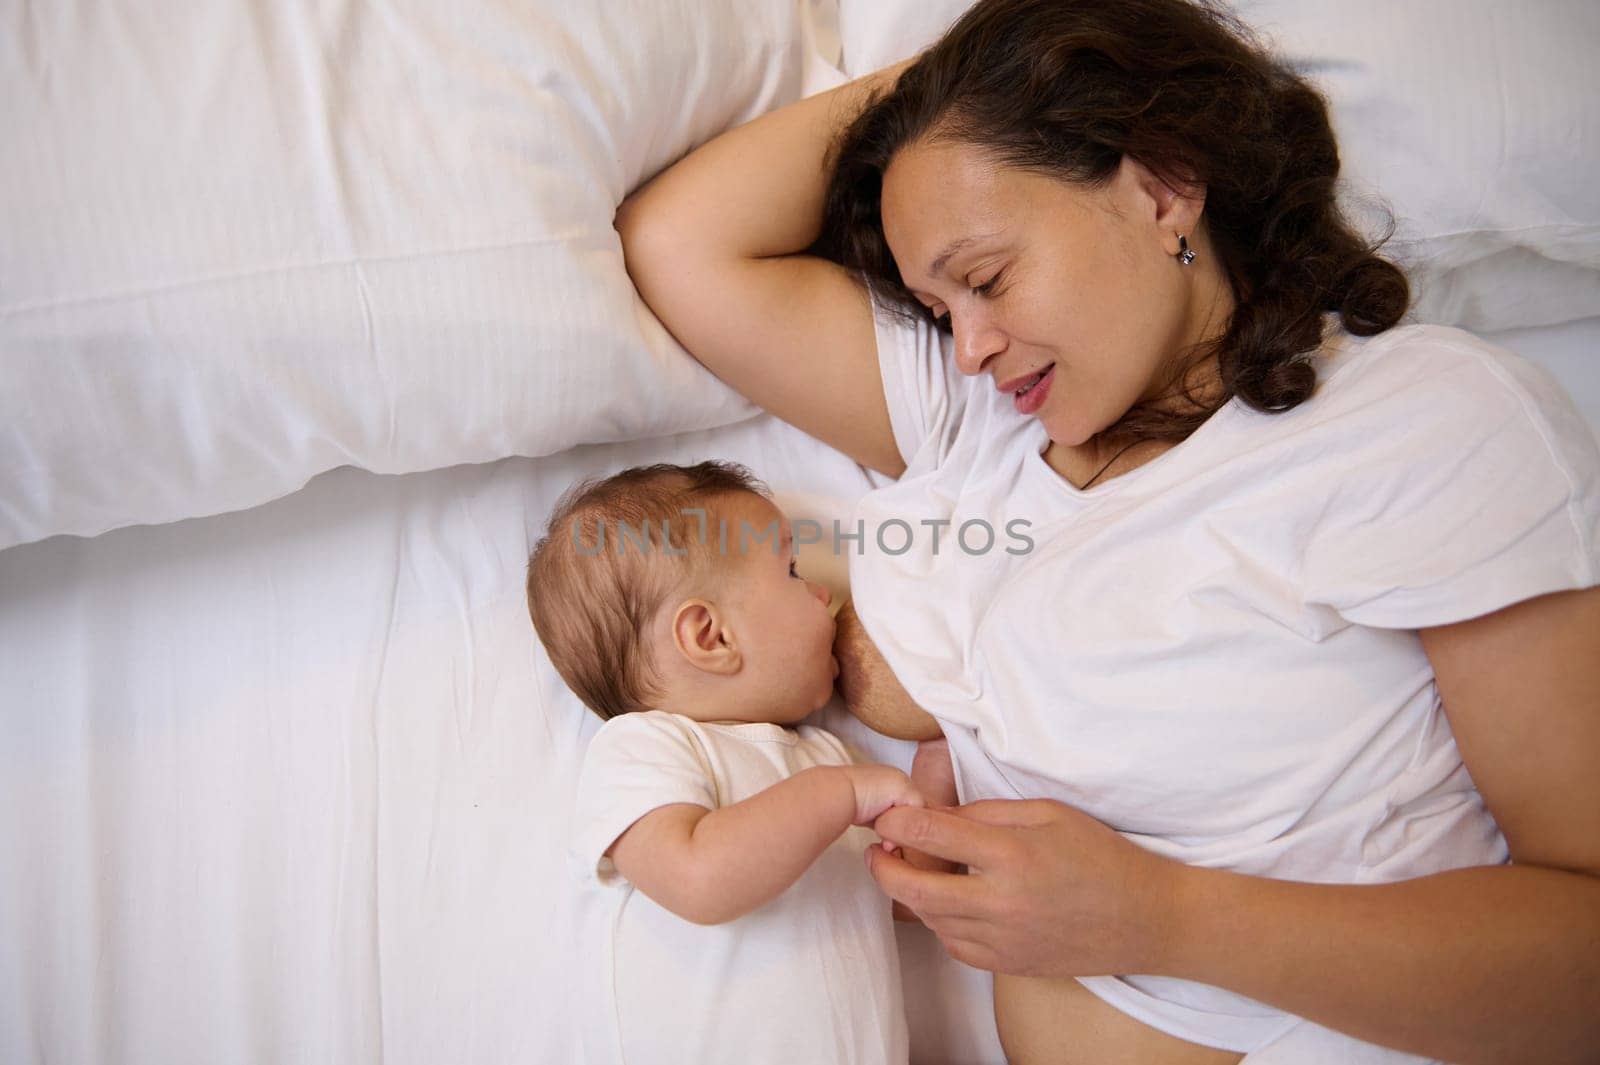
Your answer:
<point x="950" y="250"/>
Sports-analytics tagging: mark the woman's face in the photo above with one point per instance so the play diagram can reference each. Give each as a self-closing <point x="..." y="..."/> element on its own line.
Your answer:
<point x="1040" y="275"/>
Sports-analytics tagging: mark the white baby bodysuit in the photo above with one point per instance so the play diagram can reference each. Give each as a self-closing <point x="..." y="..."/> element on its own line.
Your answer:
<point x="1216" y="653"/>
<point x="813" y="976"/>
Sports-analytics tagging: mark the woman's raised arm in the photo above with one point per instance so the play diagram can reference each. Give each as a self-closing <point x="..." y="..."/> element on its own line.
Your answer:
<point x="713" y="244"/>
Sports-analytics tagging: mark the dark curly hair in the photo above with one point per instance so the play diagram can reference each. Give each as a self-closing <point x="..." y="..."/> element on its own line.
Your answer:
<point x="1069" y="87"/>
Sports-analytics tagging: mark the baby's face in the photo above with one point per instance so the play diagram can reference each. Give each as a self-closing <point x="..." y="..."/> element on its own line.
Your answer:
<point x="782" y="621"/>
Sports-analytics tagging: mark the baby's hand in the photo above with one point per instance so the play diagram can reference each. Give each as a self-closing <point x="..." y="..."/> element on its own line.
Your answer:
<point x="877" y="788"/>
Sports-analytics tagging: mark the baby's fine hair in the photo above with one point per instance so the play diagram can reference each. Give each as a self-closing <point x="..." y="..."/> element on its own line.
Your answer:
<point x="593" y="592"/>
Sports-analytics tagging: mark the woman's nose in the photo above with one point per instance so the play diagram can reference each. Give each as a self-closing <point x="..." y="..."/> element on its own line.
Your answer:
<point x="976" y="339"/>
<point x="821" y="592"/>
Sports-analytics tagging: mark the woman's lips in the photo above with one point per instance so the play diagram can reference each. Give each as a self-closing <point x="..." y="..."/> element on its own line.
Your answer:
<point x="1033" y="398"/>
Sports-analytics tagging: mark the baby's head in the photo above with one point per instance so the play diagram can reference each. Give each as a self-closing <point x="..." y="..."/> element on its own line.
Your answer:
<point x="643" y="604"/>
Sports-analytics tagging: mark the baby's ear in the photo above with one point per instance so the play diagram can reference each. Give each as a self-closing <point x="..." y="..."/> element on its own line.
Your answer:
<point x="701" y="635"/>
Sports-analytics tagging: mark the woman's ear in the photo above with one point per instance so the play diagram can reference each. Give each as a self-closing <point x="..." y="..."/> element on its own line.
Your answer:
<point x="704" y="638"/>
<point x="1172" y="204"/>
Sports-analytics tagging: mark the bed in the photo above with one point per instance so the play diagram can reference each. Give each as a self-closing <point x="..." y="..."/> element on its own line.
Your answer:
<point x="307" y="316"/>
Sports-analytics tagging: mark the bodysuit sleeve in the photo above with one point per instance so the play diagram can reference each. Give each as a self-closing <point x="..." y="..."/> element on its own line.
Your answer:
<point x="636" y="763"/>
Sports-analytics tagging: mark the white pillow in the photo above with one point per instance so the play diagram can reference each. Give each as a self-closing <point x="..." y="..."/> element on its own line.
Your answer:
<point x="1473" y="119"/>
<point x="1476" y="121"/>
<point x="875" y="33"/>
<point x="243" y="243"/>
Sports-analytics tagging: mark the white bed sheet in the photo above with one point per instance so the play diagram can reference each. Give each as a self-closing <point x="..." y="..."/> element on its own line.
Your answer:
<point x="291" y="785"/>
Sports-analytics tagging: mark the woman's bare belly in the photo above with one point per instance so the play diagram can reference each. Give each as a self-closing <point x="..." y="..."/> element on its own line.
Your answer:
<point x="1060" y="1022"/>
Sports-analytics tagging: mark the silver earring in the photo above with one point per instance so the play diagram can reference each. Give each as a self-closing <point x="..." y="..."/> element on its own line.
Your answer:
<point x="1185" y="256"/>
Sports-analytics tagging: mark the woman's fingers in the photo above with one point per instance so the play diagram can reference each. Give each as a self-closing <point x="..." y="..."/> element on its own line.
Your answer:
<point x="927" y="893"/>
<point x="964" y="940"/>
<point x="970" y="929"/>
<point x="945" y="833"/>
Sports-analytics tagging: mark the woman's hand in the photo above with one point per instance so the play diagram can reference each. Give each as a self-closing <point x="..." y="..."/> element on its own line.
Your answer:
<point x="935" y="777"/>
<point x="1049" y="891"/>
<point x="869" y="687"/>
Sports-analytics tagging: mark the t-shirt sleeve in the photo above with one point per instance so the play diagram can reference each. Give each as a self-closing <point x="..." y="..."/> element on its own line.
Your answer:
<point x="925" y="392"/>
<point x="634" y="764"/>
<point x="1472" y="483"/>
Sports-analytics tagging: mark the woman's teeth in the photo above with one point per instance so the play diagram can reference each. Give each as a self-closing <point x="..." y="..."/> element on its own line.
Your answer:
<point x="1025" y="389"/>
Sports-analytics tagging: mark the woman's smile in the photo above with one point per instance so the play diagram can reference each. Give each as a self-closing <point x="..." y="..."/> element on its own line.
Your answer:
<point x="1030" y="398"/>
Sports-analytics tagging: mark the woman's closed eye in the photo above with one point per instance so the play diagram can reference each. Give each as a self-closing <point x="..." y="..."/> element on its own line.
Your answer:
<point x="988" y="290"/>
<point x="793" y="562"/>
<point x="989" y="287"/>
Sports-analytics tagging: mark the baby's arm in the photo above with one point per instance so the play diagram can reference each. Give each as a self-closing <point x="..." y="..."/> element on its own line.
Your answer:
<point x="712" y="866"/>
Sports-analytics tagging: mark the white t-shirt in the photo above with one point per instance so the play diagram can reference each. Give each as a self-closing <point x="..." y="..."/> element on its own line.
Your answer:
<point x="814" y="975"/>
<point x="1216" y="653"/>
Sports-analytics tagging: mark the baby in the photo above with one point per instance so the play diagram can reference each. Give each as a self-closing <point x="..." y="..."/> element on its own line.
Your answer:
<point x="715" y="832"/>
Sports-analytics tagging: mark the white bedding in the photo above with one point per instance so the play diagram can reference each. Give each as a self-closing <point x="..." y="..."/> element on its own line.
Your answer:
<point x="243" y="243"/>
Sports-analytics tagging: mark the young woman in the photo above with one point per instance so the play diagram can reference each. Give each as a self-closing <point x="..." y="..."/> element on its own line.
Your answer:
<point x="1290" y="717"/>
